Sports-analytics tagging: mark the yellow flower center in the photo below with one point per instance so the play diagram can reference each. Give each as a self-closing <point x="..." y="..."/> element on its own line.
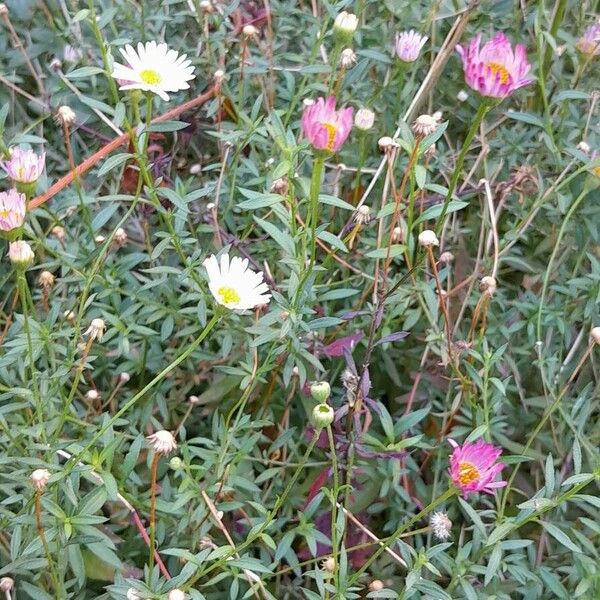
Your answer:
<point x="4" y="213"/>
<point x="228" y="295"/>
<point x="331" y="131"/>
<point x="596" y="171"/>
<point x="467" y="473"/>
<point x="150" y="77"/>
<point x="498" y="69"/>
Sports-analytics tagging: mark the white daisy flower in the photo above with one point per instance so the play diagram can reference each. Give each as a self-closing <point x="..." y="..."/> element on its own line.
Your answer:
<point x="234" y="285"/>
<point x="153" y="68"/>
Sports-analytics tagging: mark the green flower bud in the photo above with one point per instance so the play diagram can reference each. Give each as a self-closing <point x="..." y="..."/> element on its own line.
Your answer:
<point x="322" y="416"/>
<point x="320" y="391"/>
<point x="344" y="26"/>
<point x="176" y="463"/>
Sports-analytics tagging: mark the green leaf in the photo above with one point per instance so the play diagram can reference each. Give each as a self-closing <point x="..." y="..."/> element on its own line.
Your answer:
<point x="560" y="536"/>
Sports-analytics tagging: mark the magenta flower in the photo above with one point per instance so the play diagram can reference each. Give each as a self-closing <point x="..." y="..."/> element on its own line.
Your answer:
<point x="589" y="43"/>
<point x="495" y="70"/>
<point x="408" y="45"/>
<point x="24" y="165"/>
<point x="473" y="467"/>
<point x="12" y="210"/>
<point x="325" y="127"/>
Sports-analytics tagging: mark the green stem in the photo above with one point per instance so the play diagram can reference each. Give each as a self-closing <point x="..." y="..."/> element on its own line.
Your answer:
<point x="335" y="493"/>
<point x="24" y="294"/>
<point x="484" y="107"/>
<point x="315" y="188"/>
<point x="382" y="548"/>
<point x="207" y="329"/>
<point x="561" y="233"/>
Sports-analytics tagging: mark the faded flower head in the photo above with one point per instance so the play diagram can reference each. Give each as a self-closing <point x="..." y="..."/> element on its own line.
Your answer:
<point x="234" y="285"/>
<point x="362" y="215"/>
<point x="12" y="209"/>
<point x="65" y="115"/>
<point x="328" y="564"/>
<point x="595" y="335"/>
<point x="325" y="127"/>
<point x="46" y="279"/>
<point x="364" y="119"/>
<point x="96" y="329"/>
<point x="427" y="238"/>
<point x="6" y="584"/>
<point x="589" y="43"/>
<point x="20" y="254"/>
<point x="249" y="31"/>
<point x="441" y="525"/>
<point x="39" y="478"/>
<point x="348" y="58"/>
<point x="495" y="70"/>
<point x="153" y="68"/>
<point x="474" y="467"/>
<point x="408" y="45"/>
<point x="425" y="125"/>
<point x="488" y="285"/>
<point x="176" y="594"/>
<point x="162" y="442"/>
<point x="24" y="165"/>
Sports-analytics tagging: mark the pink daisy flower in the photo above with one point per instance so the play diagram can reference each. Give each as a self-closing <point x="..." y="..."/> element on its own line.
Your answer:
<point x="473" y="467"/>
<point x="589" y="43"/>
<point x="24" y="165"/>
<point x="496" y="70"/>
<point x="325" y="127"/>
<point x="12" y="210"/>
<point x="408" y="45"/>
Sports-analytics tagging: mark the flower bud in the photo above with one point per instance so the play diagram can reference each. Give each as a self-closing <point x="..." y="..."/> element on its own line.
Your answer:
<point x="376" y="585"/>
<point x="328" y="564"/>
<point x="462" y="96"/>
<point x="364" y="119"/>
<point x="58" y="232"/>
<point x="206" y="6"/>
<point x="344" y="26"/>
<point x="175" y="463"/>
<point x="124" y="378"/>
<point x="92" y="395"/>
<point x="193" y="400"/>
<point x="322" y="416"/>
<point x="446" y="257"/>
<point x="20" y="253"/>
<point x="218" y="76"/>
<point x="428" y="238"/>
<point x="320" y="391"/>
<point x="176" y="594"/>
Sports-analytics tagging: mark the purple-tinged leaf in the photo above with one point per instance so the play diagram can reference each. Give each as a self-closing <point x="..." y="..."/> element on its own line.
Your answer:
<point x="392" y="337"/>
<point x="339" y="346"/>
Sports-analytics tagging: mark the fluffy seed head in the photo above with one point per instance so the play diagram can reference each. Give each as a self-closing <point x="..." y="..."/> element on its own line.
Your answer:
<point x="39" y="478"/>
<point x="424" y="125"/>
<point x="441" y="525"/>
<point x="65" y="115"/>
<point x="162" y="442"/>
<point x="428" y="238"/>
<point x="96" y="329"/>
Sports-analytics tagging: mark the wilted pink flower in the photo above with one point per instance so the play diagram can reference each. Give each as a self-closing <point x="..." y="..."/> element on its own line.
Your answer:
<point x="495" y="70"/>
<point x="408" y="45"/>
<point x="473" y="467"/>
<point x="12" y="210"/>
<point x="589" y="43"/>
<point x="24" y="165"/>
<point x="325" y="127"/>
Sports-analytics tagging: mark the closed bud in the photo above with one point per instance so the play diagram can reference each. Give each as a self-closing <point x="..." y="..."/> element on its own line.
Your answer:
<point x="364" y="119"/>
<point x="322" y="416"/>
<point x="595" y="335"/>
<point x="96" y="329"/>
<point x="133" y="594"/>
<point x="193" y="400"/>
<point x="584" y="147"/>
<point x="124" y="377"/>
<point x="21" y="255"/>
<point x="206" y="6"/>
<point x="92" y="395"/>
<point x="328" y="564"/>
<point x="344" y="26"/>
<point x="175" y="463"/>
<point x="58" y="232"/>
<point x="376" y="585"/>
<point x="65" y="115"/>
<point x="386" y="143"/>
<point x="320" y="391"/>
<point x="462" y="96"/>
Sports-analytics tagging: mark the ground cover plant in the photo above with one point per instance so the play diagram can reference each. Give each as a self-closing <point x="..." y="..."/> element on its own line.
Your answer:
<point x="299" y="299"/>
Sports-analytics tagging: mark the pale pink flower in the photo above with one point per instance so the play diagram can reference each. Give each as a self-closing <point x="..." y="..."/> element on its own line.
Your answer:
<point x="408" y="45"/>
<point x="12" y="209"/>
<point x="325" y="127"/>
<point x="589" y="43"/>
<point x="473" y="467"/>
<point x="24" y="165"/>
<point x="496" y="70"/>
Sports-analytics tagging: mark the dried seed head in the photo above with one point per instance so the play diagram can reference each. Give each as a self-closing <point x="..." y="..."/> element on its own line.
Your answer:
<point x="397" y="234"/>
<point x="386" y="143"/>
<point x="39" y="478"/>
<point x="92" y="395"/>
<point x="348" y="58"/>
<point x="424" y="125"/>
<point x="120" y="237"/>
<point x="58" y="232"/>
<point x="487" y="285"/>
<point x="376" y="585"/>
<point x="176" y="594"/>
<point x="46" y="279"/>
<point x="446" y="257"/>
<point x="584" y="147"/>
<point x="350" y="382"/>
<point x="430" y="152"/>
<point x="364" y="119"/>
<point x="99" y="239"/>
<point x="280" y="186"/>
<point x="328" y="564"/>
<point x="441" y="525"/>
<point x="219" y="76"/>
<point x="55" y="64"/>
<point x="65" y="115"/>
<point x="6" y="584"/>
<point x="249" y="31"/>
<point x="69" y="315"/>
<point x="96" y="329"/>
<point x="362" y="215"/>
<point x="462" y="96"/>
<point x="206" y="6"/>
<point x="595" y="335"/>
<point x="428" y="238"/>
<point x="3" y="9"/>
<point x="124" y="377"/>
<point x="162" y="442"/>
